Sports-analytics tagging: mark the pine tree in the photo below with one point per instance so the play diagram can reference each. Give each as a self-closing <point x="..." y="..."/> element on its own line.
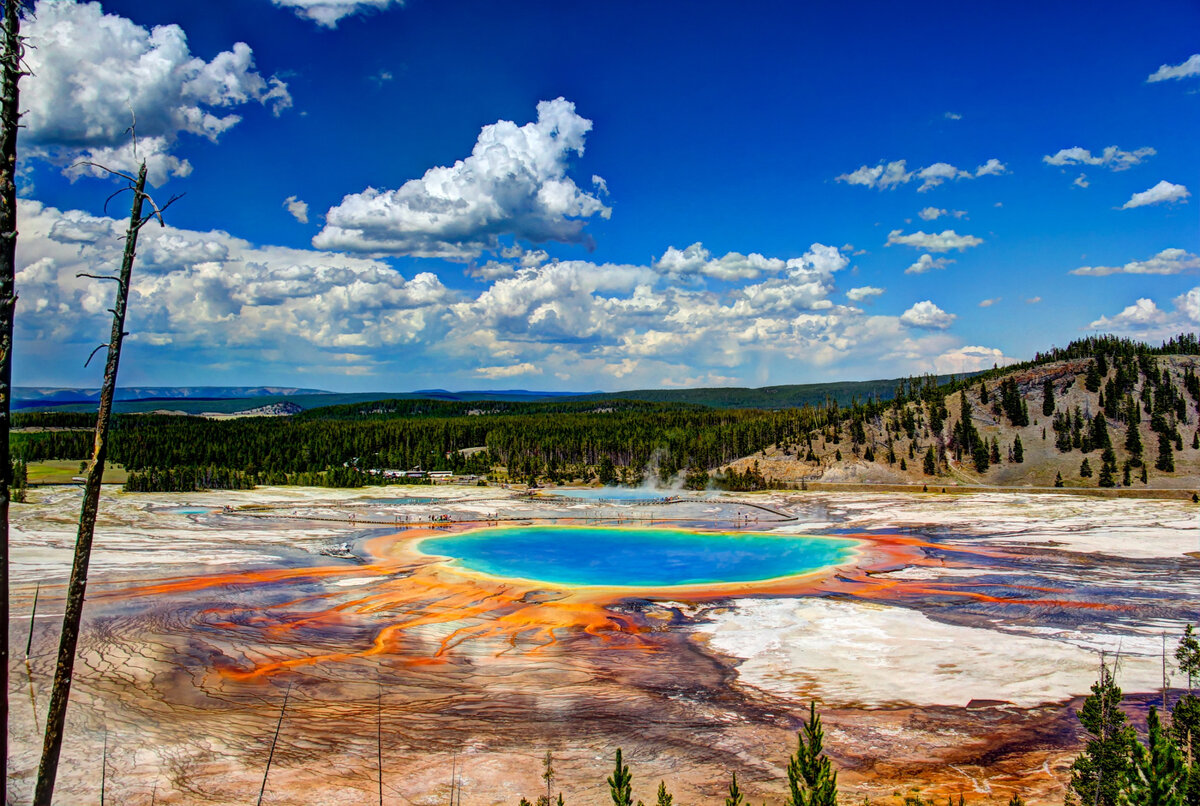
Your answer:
<point x="1047" y="397"/>
<point x="664" y="797"/>
<point x="1108" y="468"/>
<point x="1058" y="482"/>
<point x="1166" y="458"/>
<point x="994" y="452"/>
<point x="1157" y="776"/>
<point x="1185" y="730"/>
<point x="980" y="456"/>
<point x="812" y="781"/>
<point x="983" y="393"/>
<point x="735" y="795"/>
<point x="1100" y="771"/>
<point x="1085" y="470"/>
<point x="620" y="784"/>
<point x="1187" y="656"/>
<point x="1018" y="451"/>
<point x="930" y="467"/>
<point x="606" y="473"/>
<point x="548" y="774"/>
<point x="1133" y="444"/>
<point x="1091" y="379"/>
<point x="1099" y="432"/>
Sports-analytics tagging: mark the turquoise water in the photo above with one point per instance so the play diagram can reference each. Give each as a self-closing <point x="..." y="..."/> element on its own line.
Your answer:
<point x="185" y="511"/>
<point x="649" y="558"/>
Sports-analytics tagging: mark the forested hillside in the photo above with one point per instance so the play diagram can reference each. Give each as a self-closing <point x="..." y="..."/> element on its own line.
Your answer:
<point x="1102" y="411"/>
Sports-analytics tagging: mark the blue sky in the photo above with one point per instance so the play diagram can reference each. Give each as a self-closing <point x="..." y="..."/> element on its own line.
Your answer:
<point x="661" y="194"/>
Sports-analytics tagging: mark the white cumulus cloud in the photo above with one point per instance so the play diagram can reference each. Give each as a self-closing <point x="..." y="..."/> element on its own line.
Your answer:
<point x="1168" y="261"/>
<point x="1111" y="157"/>
<point x="863" y="293"/>
<point x="297" y="208"/>
<point x="515" y="182"/>
<point x="928" y="263"/>
<point x="1145" y="320"/>
<point x="936" y="174"/>
<point x="933" y="241"/>
<point x="509" y="371"/>
<point x="926" y="315"/>
<point x="879" y="176"/>
<point x="92" y="73"/>
<point x="970" y="358"/>
<point x="933" y="213"/>
<point x="992" y="167"/>
<point x="1186" y="69"/>
<point x="695" y="259"/>
<point x="210" y="289"/>
<point x="329" y="12"/>
<point x="211" y="299"/>
<point x="1161" y="193"/>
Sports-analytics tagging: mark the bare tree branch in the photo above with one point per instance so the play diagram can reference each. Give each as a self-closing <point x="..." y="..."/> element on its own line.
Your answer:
<point x="113" y="195"/>
<point x="93" y="354"/>
<point x="104" y="168"/>
<point x="60" y="691"/>
<point x="158" y="211"/>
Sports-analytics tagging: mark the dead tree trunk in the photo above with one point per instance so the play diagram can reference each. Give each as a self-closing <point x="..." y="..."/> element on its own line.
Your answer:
<point x="10" y="67"/>
<point x="60" y="692"/>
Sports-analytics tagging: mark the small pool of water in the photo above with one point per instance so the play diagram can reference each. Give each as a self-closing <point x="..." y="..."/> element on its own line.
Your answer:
<point x="639" y="557"/>
<point x="190" y="511"/>
<point x="403" y="500"/>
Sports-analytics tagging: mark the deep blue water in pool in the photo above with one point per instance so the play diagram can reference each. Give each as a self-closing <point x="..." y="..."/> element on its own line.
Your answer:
<point x="649" y="558"/>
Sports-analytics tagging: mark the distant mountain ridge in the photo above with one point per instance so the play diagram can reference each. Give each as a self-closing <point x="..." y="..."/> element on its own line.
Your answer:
<point x="229" y="400"/>
<point x="29" y="396"/>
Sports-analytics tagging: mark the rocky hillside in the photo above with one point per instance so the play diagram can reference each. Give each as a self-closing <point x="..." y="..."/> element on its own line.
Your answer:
<point x="1132" y="419"/>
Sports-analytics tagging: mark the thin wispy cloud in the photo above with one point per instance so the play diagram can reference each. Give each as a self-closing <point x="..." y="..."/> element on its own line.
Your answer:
<point x="1187" y="69"/>
<point x="1112" y="157"/>
<point x="942" y="241"/>
<point x="328" y="13"/>
<point x="887" y="175"/>
<point x="1166" y="262"/>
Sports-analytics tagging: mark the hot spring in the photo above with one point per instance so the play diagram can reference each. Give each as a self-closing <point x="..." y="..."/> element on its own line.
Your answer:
<point x="636" y="557"/>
